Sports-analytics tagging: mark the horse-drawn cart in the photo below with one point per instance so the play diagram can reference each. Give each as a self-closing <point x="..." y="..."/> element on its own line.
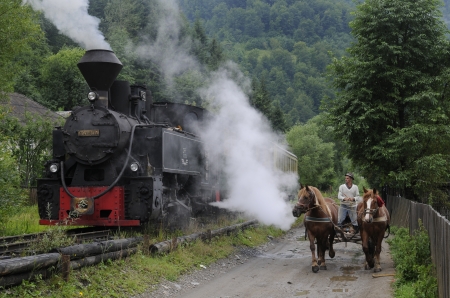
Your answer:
<point x="321" y="216"/>
<point x="347" y="234"/>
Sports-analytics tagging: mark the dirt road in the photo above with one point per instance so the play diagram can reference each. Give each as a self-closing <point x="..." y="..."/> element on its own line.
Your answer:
<point x="282" y="268"/>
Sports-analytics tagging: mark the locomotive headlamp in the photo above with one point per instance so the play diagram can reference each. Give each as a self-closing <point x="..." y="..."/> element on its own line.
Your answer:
<point x="54" y="167"/>
<point x="134" y="166"/>
<point x="92" y="96"/>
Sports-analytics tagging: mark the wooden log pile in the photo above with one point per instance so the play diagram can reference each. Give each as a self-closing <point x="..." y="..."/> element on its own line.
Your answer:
<point x="14" y="271"/>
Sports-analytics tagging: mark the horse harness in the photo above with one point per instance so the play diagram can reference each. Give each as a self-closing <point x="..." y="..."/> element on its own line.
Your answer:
<point x="316" y="219"/>
<point x="373" y="212"/>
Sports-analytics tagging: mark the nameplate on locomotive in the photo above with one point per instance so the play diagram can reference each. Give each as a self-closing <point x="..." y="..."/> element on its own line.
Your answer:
<point x="89" y="133"/>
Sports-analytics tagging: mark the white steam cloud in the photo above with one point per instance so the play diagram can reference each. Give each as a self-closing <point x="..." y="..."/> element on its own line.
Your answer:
<point x="72" y="19"/>
<point x="244" y="137"/>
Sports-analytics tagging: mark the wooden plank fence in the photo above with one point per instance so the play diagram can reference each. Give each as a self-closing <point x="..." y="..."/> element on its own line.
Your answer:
<point x="406" y="213"/>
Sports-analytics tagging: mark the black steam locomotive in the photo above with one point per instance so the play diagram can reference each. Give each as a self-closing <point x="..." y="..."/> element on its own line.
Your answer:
<point x="124" y="160"/>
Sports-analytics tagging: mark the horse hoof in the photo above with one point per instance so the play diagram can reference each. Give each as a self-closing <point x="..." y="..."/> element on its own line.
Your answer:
<point x="323" y="267"/>
<point x="377" y="270"/>
<point x="315" y="269"/>
<point x="331" y="254"/>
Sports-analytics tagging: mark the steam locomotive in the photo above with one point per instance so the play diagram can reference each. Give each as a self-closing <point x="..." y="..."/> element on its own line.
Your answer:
<point x="123" y="160"/>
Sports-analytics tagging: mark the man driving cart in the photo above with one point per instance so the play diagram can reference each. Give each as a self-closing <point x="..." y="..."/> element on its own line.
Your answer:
<point x="349" y="197"/>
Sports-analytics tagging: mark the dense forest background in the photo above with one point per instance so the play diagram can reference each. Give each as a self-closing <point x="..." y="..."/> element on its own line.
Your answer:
<point x="285" y="48"/>
<point x="286" y="44"/>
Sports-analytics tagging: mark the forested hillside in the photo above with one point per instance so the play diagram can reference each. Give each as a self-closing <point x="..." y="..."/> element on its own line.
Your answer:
<point x="285" y="44"/>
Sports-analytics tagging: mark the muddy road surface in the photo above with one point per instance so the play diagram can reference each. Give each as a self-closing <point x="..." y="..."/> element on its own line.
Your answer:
<point x="282" y="268"/>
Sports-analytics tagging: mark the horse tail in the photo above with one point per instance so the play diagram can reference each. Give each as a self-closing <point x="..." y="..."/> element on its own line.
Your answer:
<point x="388" y="229"/>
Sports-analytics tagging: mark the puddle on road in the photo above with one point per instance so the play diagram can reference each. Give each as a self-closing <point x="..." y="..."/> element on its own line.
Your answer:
<point x="344" y="278"/>
<point x="349" y="269"/>
<point x="302" y="293"/>
<point x="340" y="290"/>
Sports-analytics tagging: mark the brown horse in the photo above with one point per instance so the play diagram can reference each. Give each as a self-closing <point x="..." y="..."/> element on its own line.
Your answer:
<point x="320" y="220"/>
<point x="373" y="221"/>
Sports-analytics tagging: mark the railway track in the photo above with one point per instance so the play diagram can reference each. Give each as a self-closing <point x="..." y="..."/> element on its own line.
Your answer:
<point x="14" y="246"/>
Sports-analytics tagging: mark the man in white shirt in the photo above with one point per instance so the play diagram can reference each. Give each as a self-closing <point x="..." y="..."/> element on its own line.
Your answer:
<point x="349" y="197"/>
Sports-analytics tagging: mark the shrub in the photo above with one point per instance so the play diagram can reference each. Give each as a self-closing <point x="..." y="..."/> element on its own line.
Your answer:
<point x="412" y="260"/>
<point x="11" y="194"/>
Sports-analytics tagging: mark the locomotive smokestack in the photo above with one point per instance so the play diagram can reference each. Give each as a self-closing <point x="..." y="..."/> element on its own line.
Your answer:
<point x="100" y="68"/>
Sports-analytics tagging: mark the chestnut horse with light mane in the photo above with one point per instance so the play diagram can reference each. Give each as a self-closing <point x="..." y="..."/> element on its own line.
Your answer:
<point x="373" y="221"/>
<point x="320" y="219"/>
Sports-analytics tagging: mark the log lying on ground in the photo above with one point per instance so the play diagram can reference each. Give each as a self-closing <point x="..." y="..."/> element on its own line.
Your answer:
<point x="168" y="245"/>
<point x="233" y="228"/>
<point x="85" y="250"/>
<point x="89" y="261"/>
<point x="28" y="264"/>
<point x="17" y="279"/>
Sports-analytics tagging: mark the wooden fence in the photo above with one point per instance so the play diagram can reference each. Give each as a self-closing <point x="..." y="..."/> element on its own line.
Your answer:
<point x="406" y="213"/>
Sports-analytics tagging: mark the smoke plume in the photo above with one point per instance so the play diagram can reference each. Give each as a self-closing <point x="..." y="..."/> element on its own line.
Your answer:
<point x="72" y="19"/>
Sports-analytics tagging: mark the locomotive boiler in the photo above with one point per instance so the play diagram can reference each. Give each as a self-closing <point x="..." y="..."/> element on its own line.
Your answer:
<point x="123" y="160"/>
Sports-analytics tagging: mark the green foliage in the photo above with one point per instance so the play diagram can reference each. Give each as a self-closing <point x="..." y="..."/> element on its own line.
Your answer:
<point x="261" y="101"/>
<point x="11" y="194"/>
<point x="30" y="61"/>
<point x="413" y="264"/>
<point x="62" y="82"/>
<point x="315" y="157"/>
<point x="24" y="221"/>
<point x="53" y="37"/>
<point x="127" y="15"/>
<point x="29" y="144"/>
<point x="17" y="29"/>
<point x="392" y="106"/>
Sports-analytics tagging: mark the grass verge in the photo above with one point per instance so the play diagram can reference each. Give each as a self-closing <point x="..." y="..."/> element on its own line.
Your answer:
<point x="24" y="222"/>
